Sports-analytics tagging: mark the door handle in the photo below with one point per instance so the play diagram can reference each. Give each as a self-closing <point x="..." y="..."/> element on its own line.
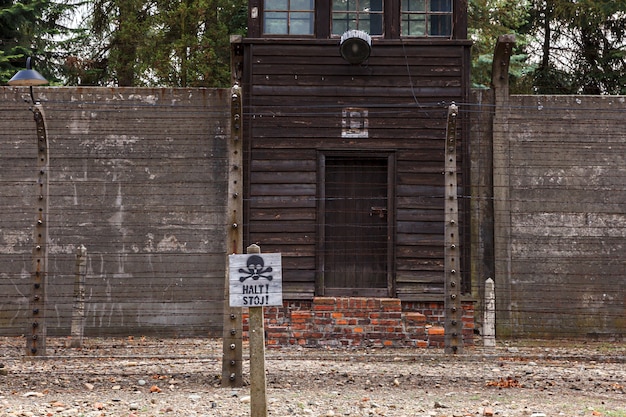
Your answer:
<point x="379" y="211"/>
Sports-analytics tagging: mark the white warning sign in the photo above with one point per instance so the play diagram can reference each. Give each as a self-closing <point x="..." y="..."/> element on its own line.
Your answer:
<point x="255" y="280"/>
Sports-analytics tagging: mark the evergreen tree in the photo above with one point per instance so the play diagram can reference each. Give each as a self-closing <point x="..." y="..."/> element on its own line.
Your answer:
<point x="192" y="47"/>
<point x="32" y="28"/>
<point x="175" y="43"/>
<point x="582" y="46"/>
<point x="108" y="52"/>
<point x="487" y="20"/>
<point x="564" y="46"/>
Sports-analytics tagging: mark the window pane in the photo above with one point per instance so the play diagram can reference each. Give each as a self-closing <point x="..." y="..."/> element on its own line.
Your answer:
<point x="276" y="23"/>
<point x="375" y="25"/>
<point x="414" y="25"/>
<point x="366" y="15"/>
<point x="426" y="17"/>
<point x="440" y="25"/>
<point x="343" y="22"/>
<point x="301" y="4"/>
<point x="413" y="6"/>
<point x="376" y="5"/>
<point x="364" y="24"/>
<point x="339" y="27"/>
<point x="301" y="24"/>
<point x="276" y="4"/>
<point x="340" y="5"/>
<point x="441" y="5"/>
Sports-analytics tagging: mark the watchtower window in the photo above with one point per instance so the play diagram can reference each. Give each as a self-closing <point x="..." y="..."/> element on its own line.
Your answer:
<point x="426" y="18"/>
<point x="365" y="15"/>
<point x="288" y="17"/>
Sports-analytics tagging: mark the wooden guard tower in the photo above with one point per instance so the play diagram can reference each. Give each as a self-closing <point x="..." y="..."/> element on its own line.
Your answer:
<point x="344" y="132"/>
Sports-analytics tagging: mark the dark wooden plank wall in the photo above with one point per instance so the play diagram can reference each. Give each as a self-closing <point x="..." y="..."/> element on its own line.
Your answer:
<point x="295" y="92"/>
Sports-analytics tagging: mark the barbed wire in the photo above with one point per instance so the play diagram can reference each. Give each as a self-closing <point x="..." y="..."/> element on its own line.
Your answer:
<point x="185" y="276"/>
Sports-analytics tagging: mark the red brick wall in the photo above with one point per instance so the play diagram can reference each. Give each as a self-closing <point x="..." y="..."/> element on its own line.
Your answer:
<point x="360" y="322"/>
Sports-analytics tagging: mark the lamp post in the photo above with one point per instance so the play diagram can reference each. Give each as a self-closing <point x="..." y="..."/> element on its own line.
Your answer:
<point x="36" y="332"/>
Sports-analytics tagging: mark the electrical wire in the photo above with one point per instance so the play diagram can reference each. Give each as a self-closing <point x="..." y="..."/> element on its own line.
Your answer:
<point x="148" y="207"/>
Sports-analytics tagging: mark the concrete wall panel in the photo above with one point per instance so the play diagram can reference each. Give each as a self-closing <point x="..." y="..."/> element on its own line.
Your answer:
<point x="562" y="255"/>
<point x="138" y="176"/>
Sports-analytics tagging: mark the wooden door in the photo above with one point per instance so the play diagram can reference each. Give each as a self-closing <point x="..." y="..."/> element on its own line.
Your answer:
<point x="356" y="238"/>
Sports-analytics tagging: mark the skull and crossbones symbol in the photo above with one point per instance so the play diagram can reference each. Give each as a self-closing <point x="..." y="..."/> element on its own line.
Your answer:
<point x="255" y="269"/>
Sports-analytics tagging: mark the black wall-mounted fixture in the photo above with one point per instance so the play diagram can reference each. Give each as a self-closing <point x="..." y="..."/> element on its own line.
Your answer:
<point x="355" y="46"/>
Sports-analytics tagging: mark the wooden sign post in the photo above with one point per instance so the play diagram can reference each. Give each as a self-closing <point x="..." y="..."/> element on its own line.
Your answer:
<point x="255" y="282"/>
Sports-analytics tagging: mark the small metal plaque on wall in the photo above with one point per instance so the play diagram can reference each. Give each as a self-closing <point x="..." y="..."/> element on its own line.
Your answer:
<point x="354" y="122"/>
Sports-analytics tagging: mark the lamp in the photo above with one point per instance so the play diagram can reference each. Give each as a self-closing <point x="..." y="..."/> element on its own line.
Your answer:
<point x="36" y="339"/>
<point x="28" y="77"/>
<point x="355" y="46"/>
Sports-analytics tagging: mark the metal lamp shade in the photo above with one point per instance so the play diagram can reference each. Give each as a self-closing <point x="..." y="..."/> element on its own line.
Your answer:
<point x="28" y="77"/>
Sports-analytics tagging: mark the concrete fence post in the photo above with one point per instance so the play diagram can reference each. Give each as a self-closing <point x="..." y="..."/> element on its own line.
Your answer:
<point x="453" y="325"/>
<point x="78" y="309"/>
<point x="36" y="336"/>
<point x="489" y="319"/>
<point x="502" y="180"/>
<point x="232" y="340"/>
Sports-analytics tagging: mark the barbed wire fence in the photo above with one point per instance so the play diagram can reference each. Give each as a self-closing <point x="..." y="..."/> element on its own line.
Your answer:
<point x="149" y="210"/>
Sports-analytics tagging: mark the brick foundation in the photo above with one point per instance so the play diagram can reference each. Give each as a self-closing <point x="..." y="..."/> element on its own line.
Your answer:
<point x="360" y="322"/>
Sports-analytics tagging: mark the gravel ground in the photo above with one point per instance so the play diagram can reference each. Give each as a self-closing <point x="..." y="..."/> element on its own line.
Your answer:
<point x="180" y="377"/>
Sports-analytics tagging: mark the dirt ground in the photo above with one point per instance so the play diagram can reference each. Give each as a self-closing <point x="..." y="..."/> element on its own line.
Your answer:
<point x="136" y="377"/>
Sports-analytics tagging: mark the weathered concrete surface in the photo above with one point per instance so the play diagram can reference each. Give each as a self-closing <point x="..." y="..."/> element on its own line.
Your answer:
<point x="560" y="231"/>
<point x="138" y="176"/>
<point x="481" y="203"/>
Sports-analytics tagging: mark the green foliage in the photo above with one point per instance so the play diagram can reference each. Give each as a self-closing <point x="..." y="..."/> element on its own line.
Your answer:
<point x="192" y="45"/>
<point x="177" y="43"/>
<point x="550" y="80"/>
<point x="489" y="19"/>
<point x="109" y="50"/>
<point x="564" y="46"/>
<point x="32" y="28"/>
<point x="583" y="46"/>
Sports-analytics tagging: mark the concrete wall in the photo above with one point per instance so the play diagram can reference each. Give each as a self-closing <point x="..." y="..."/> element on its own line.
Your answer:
<point x="138" y="176"/>
<point x="481" y="189"/>
<point x="559" y="180"/>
